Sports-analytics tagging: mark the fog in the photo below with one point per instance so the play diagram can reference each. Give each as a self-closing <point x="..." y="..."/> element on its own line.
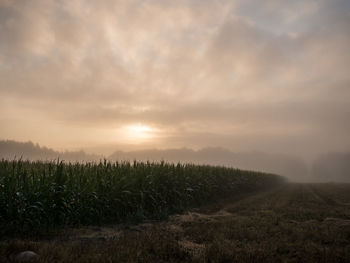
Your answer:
<point x="254" y="78"/>
<point x="329" y="167"/>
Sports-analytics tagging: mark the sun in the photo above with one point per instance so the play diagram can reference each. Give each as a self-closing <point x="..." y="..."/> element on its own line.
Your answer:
<point x="138" y="132"/>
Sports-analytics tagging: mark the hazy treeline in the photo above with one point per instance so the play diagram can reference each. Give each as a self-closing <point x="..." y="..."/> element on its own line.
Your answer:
<point x="326" y="167"/>
<point x="332" y="167"/>
<point x="27" y="150"/>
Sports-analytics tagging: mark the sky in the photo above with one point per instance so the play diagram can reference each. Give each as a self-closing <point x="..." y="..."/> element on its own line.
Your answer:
<point x="247" y="75"/>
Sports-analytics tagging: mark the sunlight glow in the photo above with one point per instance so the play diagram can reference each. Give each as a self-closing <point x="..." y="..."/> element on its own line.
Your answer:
<point x="138" y="133"/>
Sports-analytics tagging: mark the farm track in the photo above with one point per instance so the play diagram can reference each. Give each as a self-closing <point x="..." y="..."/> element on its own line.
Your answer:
<point x="292" y="223"/>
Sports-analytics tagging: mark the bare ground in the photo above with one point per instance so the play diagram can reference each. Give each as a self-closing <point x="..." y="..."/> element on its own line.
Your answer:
<point x="293" y="223"/>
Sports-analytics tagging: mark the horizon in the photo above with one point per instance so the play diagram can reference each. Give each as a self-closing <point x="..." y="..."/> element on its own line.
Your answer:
<point x="113" y="149"/>
<point x="326" y="167"/>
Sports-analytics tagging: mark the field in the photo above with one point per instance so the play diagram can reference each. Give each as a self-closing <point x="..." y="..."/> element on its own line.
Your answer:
<point x="37" y="197"/>
<point x="285" y="222"/>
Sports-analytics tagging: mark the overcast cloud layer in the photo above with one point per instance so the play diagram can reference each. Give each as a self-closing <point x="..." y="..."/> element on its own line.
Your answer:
<point x="247" y="75"/>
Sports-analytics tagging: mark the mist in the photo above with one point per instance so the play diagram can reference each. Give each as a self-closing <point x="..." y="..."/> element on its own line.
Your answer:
<point x="263" y="85"/>
<point x="328" y="167"/>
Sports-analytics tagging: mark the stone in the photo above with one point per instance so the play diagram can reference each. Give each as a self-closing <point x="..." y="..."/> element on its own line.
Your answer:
<point x="26" y="256"/>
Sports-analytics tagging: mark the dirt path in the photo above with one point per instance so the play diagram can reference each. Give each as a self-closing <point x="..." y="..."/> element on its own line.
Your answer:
<point x="293" y="223"/>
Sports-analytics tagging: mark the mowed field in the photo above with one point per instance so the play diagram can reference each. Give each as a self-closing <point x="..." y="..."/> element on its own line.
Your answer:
<point x="291" y="223"/>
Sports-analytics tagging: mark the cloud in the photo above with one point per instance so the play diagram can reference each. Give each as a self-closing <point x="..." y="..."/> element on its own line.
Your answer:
<point x="248" y="74"/>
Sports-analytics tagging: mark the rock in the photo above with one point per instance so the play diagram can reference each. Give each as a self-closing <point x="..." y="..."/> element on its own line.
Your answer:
<point x="26" y="256"/>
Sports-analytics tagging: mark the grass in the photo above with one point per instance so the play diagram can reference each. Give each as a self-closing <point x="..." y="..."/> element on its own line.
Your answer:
<point x="37" y="197"/>
<point x="290" y="223"/>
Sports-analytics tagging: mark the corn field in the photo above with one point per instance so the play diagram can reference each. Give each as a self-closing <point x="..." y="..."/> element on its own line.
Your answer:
<point x="43" y="195"/>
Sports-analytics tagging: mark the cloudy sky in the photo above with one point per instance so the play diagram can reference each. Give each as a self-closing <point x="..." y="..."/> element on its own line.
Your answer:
<point x="247" y="75"/>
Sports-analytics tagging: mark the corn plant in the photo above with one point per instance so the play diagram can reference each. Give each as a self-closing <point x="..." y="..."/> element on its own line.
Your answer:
<point x="43" y="195"/>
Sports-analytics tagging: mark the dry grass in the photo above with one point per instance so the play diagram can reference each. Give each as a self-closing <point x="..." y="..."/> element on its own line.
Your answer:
<point x="294" y="223"/>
